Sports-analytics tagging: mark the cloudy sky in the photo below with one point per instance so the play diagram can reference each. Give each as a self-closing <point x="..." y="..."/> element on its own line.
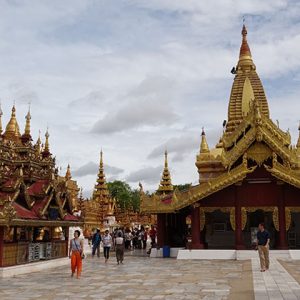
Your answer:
<point x="138" y="76"/>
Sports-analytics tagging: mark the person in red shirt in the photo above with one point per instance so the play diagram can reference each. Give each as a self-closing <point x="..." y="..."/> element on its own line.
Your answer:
<point x="152" y="234"/>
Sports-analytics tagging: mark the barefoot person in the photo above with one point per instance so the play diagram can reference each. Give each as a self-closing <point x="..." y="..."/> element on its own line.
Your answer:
<point x="107" y="241"/>
<point x="263" y="241"/>
<point x="75" y="253"/>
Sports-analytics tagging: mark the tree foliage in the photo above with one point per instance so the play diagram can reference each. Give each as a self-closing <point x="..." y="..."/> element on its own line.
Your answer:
<point x="182" y="187"/>
<point x="126" y="197"/>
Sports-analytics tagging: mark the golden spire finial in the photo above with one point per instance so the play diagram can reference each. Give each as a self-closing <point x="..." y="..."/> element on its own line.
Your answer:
<point x="101" y="159"/>
<point x="245" y="52"/>
<point x="38" y="144"/>
<point x="166" y="158"/>
<point x="47" y="135"/>
<point x="27" y="136"/>
<point x="203" y="146"/>
<point x="46" y="150"/>
<point x="165" y="185"/>
<point x="68" y="175"/>
<point x="27" y="126"/>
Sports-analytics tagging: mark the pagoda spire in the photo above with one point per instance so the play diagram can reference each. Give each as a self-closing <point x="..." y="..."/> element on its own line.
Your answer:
<point x="47" y="135"/>
<point x="68" y="175"/>
<point x="37" y="145"/>
<point x="245" y="52"/>
<point x="203" y="146"/>
<point x="165" y="186"/>
<point x="246" y="87"/>
<point x="12" y="130"/>
<point x="27" y="135"/>
<point x="27" y="126"/>
<point x="101" y="190"/>
<point x="46" y="150"/>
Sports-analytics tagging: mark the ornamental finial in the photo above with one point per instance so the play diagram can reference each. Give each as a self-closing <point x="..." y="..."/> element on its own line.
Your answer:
<point x="27" y="125"/>
<point x="68" y="175"/>
<point x="203" y="146"/>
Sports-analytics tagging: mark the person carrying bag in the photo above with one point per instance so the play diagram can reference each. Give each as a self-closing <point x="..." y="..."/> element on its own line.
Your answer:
<point x="76" y="254"/>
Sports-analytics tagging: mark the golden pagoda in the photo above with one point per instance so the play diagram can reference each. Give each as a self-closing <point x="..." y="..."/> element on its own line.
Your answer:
<point x="252" y="175"/>
<point x="101" y="192"/>
<point x="100" y="206"/>
<point x="165" y="186"/>
<point x="33" y="199"/>
<point x="12" y="130"/>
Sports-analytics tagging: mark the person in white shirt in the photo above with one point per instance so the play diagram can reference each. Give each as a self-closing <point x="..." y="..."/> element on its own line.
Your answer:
<point x="120" y="248"/>
<point x="107" y="241"/>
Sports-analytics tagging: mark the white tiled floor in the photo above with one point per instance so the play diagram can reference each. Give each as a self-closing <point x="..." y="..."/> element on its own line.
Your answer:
<point x="276" y="283"/>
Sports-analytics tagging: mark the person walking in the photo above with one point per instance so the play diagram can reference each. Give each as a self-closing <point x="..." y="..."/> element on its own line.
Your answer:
<point x="76" y="254"/>
<point x="128" y="237"/>
<point x="152" y="234"/>
<point x="120" y="244"/>
<point x="107" y="241"/>
<point x="96" y="243"/>
<point x="263" y="241"/>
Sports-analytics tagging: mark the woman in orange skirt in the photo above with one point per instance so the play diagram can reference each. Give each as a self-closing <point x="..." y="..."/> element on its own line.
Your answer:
<point x="75" y="253"/>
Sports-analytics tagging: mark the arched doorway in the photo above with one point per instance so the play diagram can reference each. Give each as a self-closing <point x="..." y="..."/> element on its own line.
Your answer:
<point x="218" y="230"/>
<point x="254" y="218"/>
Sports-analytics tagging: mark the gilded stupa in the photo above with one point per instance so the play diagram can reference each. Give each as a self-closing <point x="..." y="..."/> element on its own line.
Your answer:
<point x="165" y="186"/>
<point x="252" y="175"/>
<point x="33" y="196"/>
<point x="101" y="206"/>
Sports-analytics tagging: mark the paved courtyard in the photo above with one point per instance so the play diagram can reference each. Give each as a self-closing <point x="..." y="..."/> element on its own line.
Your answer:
<point x="156" y="278"/>
<point x="138" y="278"/>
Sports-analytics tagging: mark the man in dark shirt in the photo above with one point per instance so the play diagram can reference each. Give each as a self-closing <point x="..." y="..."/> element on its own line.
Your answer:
<point x="263" y="241"/>
<point x="96" y="243"/>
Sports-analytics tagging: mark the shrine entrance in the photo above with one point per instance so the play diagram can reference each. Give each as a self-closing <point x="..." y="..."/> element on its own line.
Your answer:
<point x="218" y="230"/>
<point x="254" y="218"/>
<point x="293" y="234"/>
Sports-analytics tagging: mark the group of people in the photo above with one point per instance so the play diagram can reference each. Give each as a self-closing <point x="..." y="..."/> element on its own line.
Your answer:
<point x="119" y="240"/>
<point x="137" y="239"/>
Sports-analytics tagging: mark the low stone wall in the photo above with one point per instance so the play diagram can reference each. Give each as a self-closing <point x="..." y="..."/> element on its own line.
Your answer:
<point x="33" y="267"/>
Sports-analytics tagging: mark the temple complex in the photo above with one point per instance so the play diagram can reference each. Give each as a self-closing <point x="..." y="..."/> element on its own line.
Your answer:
<point x="99" y="210"/>
<point x="36" y="204"/>
<point x="103" y="212"/>
<point x="252" y="175"/>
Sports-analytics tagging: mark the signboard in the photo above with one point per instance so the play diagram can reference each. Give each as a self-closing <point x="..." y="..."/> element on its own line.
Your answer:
<point x="254" y="231"/>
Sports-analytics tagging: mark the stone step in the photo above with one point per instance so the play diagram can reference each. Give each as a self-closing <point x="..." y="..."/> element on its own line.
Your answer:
<point x="231" y="254"/>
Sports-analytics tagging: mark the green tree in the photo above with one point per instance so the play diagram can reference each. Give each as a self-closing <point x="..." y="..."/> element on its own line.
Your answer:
<point x="126" y="197"/>
<point x="182" y="187"/>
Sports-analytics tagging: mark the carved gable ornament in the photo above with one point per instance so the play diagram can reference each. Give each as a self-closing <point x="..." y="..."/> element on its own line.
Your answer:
<point x="259" y="153"/>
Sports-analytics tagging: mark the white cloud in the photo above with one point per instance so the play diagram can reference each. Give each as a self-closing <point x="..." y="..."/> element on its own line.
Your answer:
<point x="145" y="74"/>
<point x="180" y="146"/>
<point x="92" y="168"/>
<point x="149" y="104"/>
<point x="149" y="175"/>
